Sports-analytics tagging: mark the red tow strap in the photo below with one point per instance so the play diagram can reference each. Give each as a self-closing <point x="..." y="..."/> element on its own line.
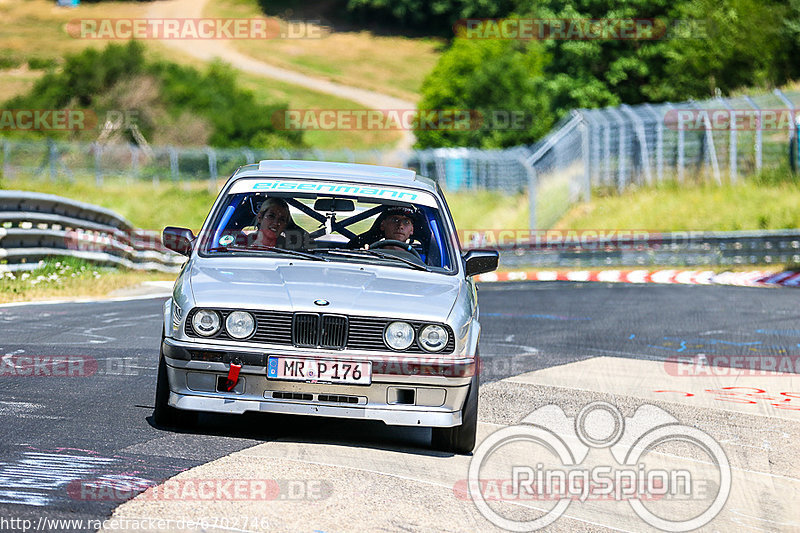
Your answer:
<point x="233" y="376"/>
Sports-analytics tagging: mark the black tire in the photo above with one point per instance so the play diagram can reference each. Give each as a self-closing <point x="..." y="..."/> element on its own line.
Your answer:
<point x="165" y="415"/>
<point x="460" y="439"/>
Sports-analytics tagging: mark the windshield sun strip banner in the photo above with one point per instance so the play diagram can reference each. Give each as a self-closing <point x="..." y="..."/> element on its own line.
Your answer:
<point x="334" y="188"/>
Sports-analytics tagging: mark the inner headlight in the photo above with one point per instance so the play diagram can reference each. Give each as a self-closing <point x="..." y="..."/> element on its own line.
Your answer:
<point x="399" y="335"/>
<point x="206" y="322"/>
<point x="433" y="338"/>
<point x="240" y="324"/>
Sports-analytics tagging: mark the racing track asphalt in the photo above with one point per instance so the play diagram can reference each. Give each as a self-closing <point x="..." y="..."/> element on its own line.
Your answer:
<point x="61" y="432"/>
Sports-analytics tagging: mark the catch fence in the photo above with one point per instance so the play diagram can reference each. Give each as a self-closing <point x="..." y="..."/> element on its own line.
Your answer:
<point x="719" y="140"/>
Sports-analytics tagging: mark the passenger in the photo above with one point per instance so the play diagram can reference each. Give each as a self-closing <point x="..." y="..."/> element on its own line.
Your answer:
<point x="275" y="227"/>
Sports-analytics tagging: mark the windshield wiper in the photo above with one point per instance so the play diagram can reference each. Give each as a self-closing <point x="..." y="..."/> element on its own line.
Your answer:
<point x="357" y="252"/>
<point x="283" y="251"/>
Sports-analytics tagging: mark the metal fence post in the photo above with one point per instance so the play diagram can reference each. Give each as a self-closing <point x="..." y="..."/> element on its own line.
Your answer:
<point x="732" y="143"/>
<point x="52" y="158"/>
<point x="793" y="139"/>
<point x="759" y="143"/>
<point x="587" y="160"/>
<point x="98" y="163"/>
<point x="594" y="155"/>
<point x="621" y="181"/>
<point x="134" y="161"/>
<point x="174" y="170"/>
<point x="532" y="182"/>
<point x="642" y="137"/>
<point x="607" y="151"/>
<point x="681" y="148"/>
<point x="212" y="169"/>
<point x="710" y="151"/>
<point x="659" y="142"/>
<point x="6" y="158"/>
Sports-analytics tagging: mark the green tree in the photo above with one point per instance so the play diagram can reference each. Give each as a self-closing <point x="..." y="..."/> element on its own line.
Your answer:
<point x="433" y="16"/>
<point x="732" y="44"/>
<point x="495" y="79"/>
<point x="699" y="47"/>
<point x="162" y="96"/>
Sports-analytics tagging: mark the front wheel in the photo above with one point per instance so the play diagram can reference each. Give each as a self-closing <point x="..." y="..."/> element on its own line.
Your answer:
<point x="164" y="415"/>
<point x="460" y="439"/>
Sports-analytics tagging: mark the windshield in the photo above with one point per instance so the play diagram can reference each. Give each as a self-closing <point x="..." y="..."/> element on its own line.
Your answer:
<point x="402" y="228"/>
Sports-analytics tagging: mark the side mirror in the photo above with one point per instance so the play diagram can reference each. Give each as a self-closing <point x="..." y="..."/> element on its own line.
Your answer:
<point x="178" y="239"/>
<point x="481" y="261"/>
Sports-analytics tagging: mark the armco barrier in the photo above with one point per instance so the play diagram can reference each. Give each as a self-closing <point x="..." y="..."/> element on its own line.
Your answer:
<point x="34" y="226"/>
<point x="694" y="248"/>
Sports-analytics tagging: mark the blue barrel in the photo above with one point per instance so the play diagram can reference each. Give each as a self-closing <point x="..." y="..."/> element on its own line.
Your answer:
<point x="454" y="173"/>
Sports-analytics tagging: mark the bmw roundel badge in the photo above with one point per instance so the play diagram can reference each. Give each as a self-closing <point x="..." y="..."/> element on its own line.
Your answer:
<point x="321" y="302"/>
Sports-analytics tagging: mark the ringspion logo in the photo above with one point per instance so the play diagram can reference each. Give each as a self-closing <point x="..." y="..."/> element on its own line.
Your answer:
<point x="548" y="457"/>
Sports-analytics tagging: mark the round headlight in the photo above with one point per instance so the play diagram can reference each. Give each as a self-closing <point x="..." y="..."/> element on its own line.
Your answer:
<point x="240" y="324"/>
<point x="399" y="335"/>
<point x="206" y="322"/>
<point x="433" y="338"/>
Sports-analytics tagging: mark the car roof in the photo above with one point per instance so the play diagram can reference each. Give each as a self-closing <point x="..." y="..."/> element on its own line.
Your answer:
<point x="357" y="173"/>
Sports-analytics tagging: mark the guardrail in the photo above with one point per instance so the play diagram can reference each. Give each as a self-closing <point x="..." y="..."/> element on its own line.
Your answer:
<point x="570" y="248"/>
<point x="34" y="226"/>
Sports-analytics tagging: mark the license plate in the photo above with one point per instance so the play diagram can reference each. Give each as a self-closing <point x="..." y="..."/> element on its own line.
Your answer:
<point x="320" y="370"/>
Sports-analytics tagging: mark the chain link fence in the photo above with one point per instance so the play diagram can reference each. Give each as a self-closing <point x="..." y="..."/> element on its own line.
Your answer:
<point x="721" y="139"/>
<point x="58" y="160"/>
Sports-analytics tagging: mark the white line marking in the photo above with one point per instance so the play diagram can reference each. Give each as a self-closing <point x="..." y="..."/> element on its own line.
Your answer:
<point x="89" y="300"/>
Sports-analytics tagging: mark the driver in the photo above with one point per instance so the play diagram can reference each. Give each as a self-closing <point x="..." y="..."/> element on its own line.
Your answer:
<point x="398" y="225"/>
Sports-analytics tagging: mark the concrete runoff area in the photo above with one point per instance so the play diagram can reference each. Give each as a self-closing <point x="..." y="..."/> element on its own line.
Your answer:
<point x="360" y="489"/>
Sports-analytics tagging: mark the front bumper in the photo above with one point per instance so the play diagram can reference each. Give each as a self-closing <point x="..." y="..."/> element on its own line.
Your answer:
<point x="405" y="391"/>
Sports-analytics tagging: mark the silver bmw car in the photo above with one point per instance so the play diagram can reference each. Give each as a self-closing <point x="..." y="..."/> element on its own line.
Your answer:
<point x="325" y="289"/>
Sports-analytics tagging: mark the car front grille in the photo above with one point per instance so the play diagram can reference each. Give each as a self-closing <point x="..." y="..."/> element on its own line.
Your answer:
<point x="305" y="330"/>
<point x="315" y="330"/>
<point x="311" y="330"/>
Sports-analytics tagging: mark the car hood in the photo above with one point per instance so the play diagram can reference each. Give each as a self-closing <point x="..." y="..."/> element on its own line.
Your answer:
<point x="354" y="289"/>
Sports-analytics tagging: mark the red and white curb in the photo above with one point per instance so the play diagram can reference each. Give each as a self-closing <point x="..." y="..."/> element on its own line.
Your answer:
<point x="758" y="278"/>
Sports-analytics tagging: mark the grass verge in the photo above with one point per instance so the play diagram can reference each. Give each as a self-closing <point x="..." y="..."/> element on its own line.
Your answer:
<point x="391" y="65"/>
<point x="67" y="277"/>
<point x="763" y="202"/>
